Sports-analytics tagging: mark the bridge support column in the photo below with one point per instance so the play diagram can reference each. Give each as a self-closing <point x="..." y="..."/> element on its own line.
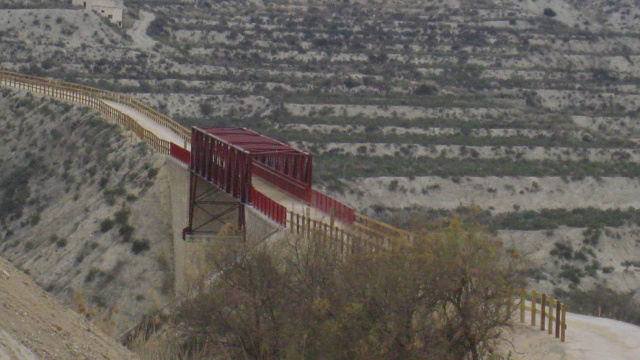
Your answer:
<point x="213" y="211"/>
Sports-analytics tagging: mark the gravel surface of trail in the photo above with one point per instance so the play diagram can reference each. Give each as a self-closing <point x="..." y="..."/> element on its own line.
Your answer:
<point x="587" y="338"/>
<point x="160" y="131"/>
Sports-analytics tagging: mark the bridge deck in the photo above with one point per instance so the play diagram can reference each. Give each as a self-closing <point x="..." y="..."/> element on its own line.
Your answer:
<point x="160" y="131"/>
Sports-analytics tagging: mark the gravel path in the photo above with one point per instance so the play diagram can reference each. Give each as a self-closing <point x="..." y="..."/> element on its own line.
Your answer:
<point x="160" y="131"/>
<point x="587" y="338"/>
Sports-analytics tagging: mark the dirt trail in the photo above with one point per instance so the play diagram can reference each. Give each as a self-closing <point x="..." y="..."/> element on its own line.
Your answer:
<point x="138" y="32"/>
<point x="587" y="338"/>
<point x="34" y="325"/>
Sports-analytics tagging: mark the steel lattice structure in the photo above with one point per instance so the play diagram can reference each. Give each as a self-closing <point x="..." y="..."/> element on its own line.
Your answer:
<point x="229" y="158"/>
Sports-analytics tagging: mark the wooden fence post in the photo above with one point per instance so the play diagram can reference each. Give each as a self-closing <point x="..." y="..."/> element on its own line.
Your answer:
<point x="534" y="300"/>
<point x="543" y="306"/>
<point x="522" y="306"/>
<point x="550" y="325"/>
<point x="564" y="321"/>
<point x="308" y="222"/>
<point x="558" y="305"/>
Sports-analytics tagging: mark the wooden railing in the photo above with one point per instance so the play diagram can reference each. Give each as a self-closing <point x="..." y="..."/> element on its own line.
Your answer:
<point x="160" y="145"/>
<point x="89" y="96"/>
<point x="375" y="228"/>
<point x="545" y="310"/>
<point x="348" y="239"/>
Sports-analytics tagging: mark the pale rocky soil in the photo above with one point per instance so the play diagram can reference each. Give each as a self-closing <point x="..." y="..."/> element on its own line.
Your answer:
<point x="471" y="152"/>
<point x="497" y="194"/>
<point x="67" y="28"/>
<point x="34" y="325"/>
<point x="221" y="105"/>
<point x="617" y="246"/>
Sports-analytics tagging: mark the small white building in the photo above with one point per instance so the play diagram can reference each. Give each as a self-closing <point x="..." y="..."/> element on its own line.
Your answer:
<point x="111" y="9"/>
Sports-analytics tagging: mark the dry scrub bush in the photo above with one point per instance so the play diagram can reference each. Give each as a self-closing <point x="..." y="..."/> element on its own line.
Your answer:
<point x="103" y="318"/>
<point x="445" y="296"/>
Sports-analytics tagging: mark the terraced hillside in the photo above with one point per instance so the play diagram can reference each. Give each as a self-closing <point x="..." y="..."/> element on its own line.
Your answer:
<point x="526" y="110"/>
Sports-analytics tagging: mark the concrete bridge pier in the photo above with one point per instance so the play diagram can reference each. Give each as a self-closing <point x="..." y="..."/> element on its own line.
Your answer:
<point x="193" y="256"/>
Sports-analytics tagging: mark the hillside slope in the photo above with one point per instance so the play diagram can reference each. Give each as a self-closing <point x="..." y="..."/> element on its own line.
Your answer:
<point x="36" y="326"/>
<point x="83" y="209"/>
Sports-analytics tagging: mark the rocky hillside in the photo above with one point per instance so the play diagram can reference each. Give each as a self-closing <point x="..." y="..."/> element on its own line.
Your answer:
<point x="36" y="326"/>
<point x="75" y="200"/>
<point x="525" y="109"/>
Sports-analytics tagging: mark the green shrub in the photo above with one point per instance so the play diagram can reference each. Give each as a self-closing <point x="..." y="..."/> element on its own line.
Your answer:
<point x="592" y="269"/>
<point x="139" y="246"/>
<point x="590" y="217"/>
<point x="629" y="263"/>
<point x="15" y="192"/>
<point x="111" y="194"/>
<point x="122" y="216"/>
<point x="330" y="166"/>
<point x="126" y="231"/>
<point x="592" y="236"/>
<point x="34" y="220"/>
<point x="571" y="273"/>
<point x="106" y="225"/>
<point x="91" y="275"/>
<point x="393" y="185"/>
<point x="151" y="173"/>
<point x="563" y="251"/>
<point x="206" y="109"/>
<point x="61" y="243"/>
<point x="103" y="182"/>
<point x="425" y="89"/>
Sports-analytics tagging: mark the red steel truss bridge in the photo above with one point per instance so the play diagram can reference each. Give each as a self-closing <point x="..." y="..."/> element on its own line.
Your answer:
<point x="248" y="168"/>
